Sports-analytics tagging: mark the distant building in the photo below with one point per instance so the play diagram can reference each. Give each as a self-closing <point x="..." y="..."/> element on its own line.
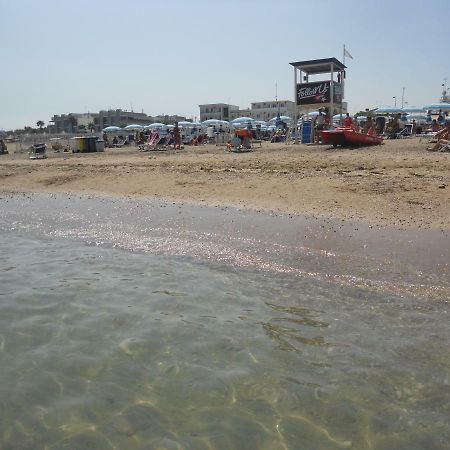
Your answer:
<point x="76" y="122"/>
<point x="120" y="118"/>
<point x="71" y="123"/>
<point x="164" y="118"/>
<point x="269" y="109"/>
<point x="258" y="110"/>
<point x="218" y="111"/>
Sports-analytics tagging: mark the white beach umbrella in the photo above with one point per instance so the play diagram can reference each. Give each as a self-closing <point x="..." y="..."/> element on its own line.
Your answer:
<point x="242" y="119"/>
<point x="211" y="122"/>
<point x="156" y="125"/>
<point x="111" y="129"/>
<point x="134" y="127"/>
<point x="282" y="118"/>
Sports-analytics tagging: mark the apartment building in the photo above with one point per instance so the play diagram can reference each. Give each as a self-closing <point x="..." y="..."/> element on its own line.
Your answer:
<point x="218" y="111"/>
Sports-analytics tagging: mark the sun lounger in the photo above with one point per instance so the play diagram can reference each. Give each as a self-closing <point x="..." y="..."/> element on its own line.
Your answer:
<point x="406" y="132"/>
<point x="38" y="151"/>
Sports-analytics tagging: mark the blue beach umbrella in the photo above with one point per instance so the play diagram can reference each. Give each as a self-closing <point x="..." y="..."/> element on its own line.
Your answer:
<point x="111" y="129"/>
<point x="437" y="107"/>
<point x="413" y="110"/>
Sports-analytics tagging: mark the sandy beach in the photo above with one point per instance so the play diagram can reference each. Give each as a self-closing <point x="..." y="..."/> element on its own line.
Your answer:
<point x="398" y="184"/>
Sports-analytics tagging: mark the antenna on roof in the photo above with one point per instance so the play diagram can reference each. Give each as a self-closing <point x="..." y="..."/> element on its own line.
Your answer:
<point x="276" y="98"/>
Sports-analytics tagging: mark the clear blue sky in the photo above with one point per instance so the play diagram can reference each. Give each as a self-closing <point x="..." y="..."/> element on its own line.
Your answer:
<point x="168" y="57"/>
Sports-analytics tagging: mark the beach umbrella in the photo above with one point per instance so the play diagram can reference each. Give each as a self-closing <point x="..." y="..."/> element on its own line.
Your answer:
<point x="239" y="125"/>
<point x="338" y="116"/>
<point x="389" y="110"/>
<point x="282" y="118"/>
<point x="413" y="110"/>
<point x="242" y="119"/>
<point x="133" y="127"/>
<point x="312" y="114"/>
<point x="369" y="112"/>
<point x="156" y="125"/>
<point x="111" y="129"/>
<point x="437" y="107"/>
<point x="212" y="122"/>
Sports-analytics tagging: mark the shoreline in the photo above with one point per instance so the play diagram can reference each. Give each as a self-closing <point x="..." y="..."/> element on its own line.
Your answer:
<point x="412" y="263"/>
<point x="398" y="184"/>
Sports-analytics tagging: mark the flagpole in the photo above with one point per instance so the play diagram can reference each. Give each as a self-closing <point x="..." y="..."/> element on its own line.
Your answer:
<point x="342" y="87"/>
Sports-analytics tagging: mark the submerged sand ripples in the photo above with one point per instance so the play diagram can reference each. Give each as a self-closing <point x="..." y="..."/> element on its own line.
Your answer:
<point x="105" y="348"/>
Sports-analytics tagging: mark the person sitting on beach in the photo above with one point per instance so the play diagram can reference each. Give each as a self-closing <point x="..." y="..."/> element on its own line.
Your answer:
<point x="434" y="126"/>
<point x="369" y="126"/>
<point x="115" y="141"/>
<point x="443" y="139"/>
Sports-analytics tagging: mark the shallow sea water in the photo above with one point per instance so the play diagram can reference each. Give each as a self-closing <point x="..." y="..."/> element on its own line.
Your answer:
<point x="104" y="348"/>
<point x="108" y="348"/>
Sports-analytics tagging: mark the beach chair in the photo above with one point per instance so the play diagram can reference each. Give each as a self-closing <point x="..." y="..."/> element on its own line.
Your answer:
<point x="406" y="132"/>
<point x="38" y="151"/>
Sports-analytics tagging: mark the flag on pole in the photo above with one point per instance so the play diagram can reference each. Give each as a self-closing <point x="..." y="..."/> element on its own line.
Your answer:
<point x="346" y="53"/>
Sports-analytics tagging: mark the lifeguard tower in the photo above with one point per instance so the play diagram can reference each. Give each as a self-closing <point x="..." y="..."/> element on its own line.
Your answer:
<point x="311" y="95"/>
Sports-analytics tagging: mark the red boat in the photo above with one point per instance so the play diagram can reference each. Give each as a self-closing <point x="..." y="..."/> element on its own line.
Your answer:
<point x="348" y="137"/>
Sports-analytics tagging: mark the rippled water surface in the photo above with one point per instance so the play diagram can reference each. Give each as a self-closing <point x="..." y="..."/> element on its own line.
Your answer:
<point x="106" y="348"/>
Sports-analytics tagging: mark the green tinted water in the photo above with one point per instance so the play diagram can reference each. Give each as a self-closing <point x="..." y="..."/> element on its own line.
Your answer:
<point x="103" y="348"/>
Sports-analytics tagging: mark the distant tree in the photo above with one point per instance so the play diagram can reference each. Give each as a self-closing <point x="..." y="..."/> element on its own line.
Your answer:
<point x="82" y="127"/>
<point x="40" y="124"/>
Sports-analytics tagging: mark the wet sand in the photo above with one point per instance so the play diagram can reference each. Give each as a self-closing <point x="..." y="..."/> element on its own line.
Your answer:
<point x="410" y="263"/>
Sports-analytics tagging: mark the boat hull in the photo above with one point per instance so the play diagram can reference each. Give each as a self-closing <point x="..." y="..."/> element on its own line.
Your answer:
<point x="348" y="137"/>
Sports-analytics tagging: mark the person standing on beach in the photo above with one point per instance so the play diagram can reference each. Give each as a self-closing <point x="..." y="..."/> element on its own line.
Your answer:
<point x="320" y="120"/>
<point x="347" y="121"/>
<point x="177" y="136"/>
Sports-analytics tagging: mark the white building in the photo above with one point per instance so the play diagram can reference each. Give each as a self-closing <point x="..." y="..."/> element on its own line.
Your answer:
<point x="269" y="109"/>
<point x="259" y="110"/>
<point x="219" y="111"/>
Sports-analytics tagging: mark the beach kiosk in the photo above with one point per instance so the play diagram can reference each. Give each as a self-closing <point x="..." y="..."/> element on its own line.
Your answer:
<point x="312" y="94"/>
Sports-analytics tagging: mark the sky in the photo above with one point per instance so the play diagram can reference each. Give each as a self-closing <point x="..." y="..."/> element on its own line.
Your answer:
<point x="58" y="57"/>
